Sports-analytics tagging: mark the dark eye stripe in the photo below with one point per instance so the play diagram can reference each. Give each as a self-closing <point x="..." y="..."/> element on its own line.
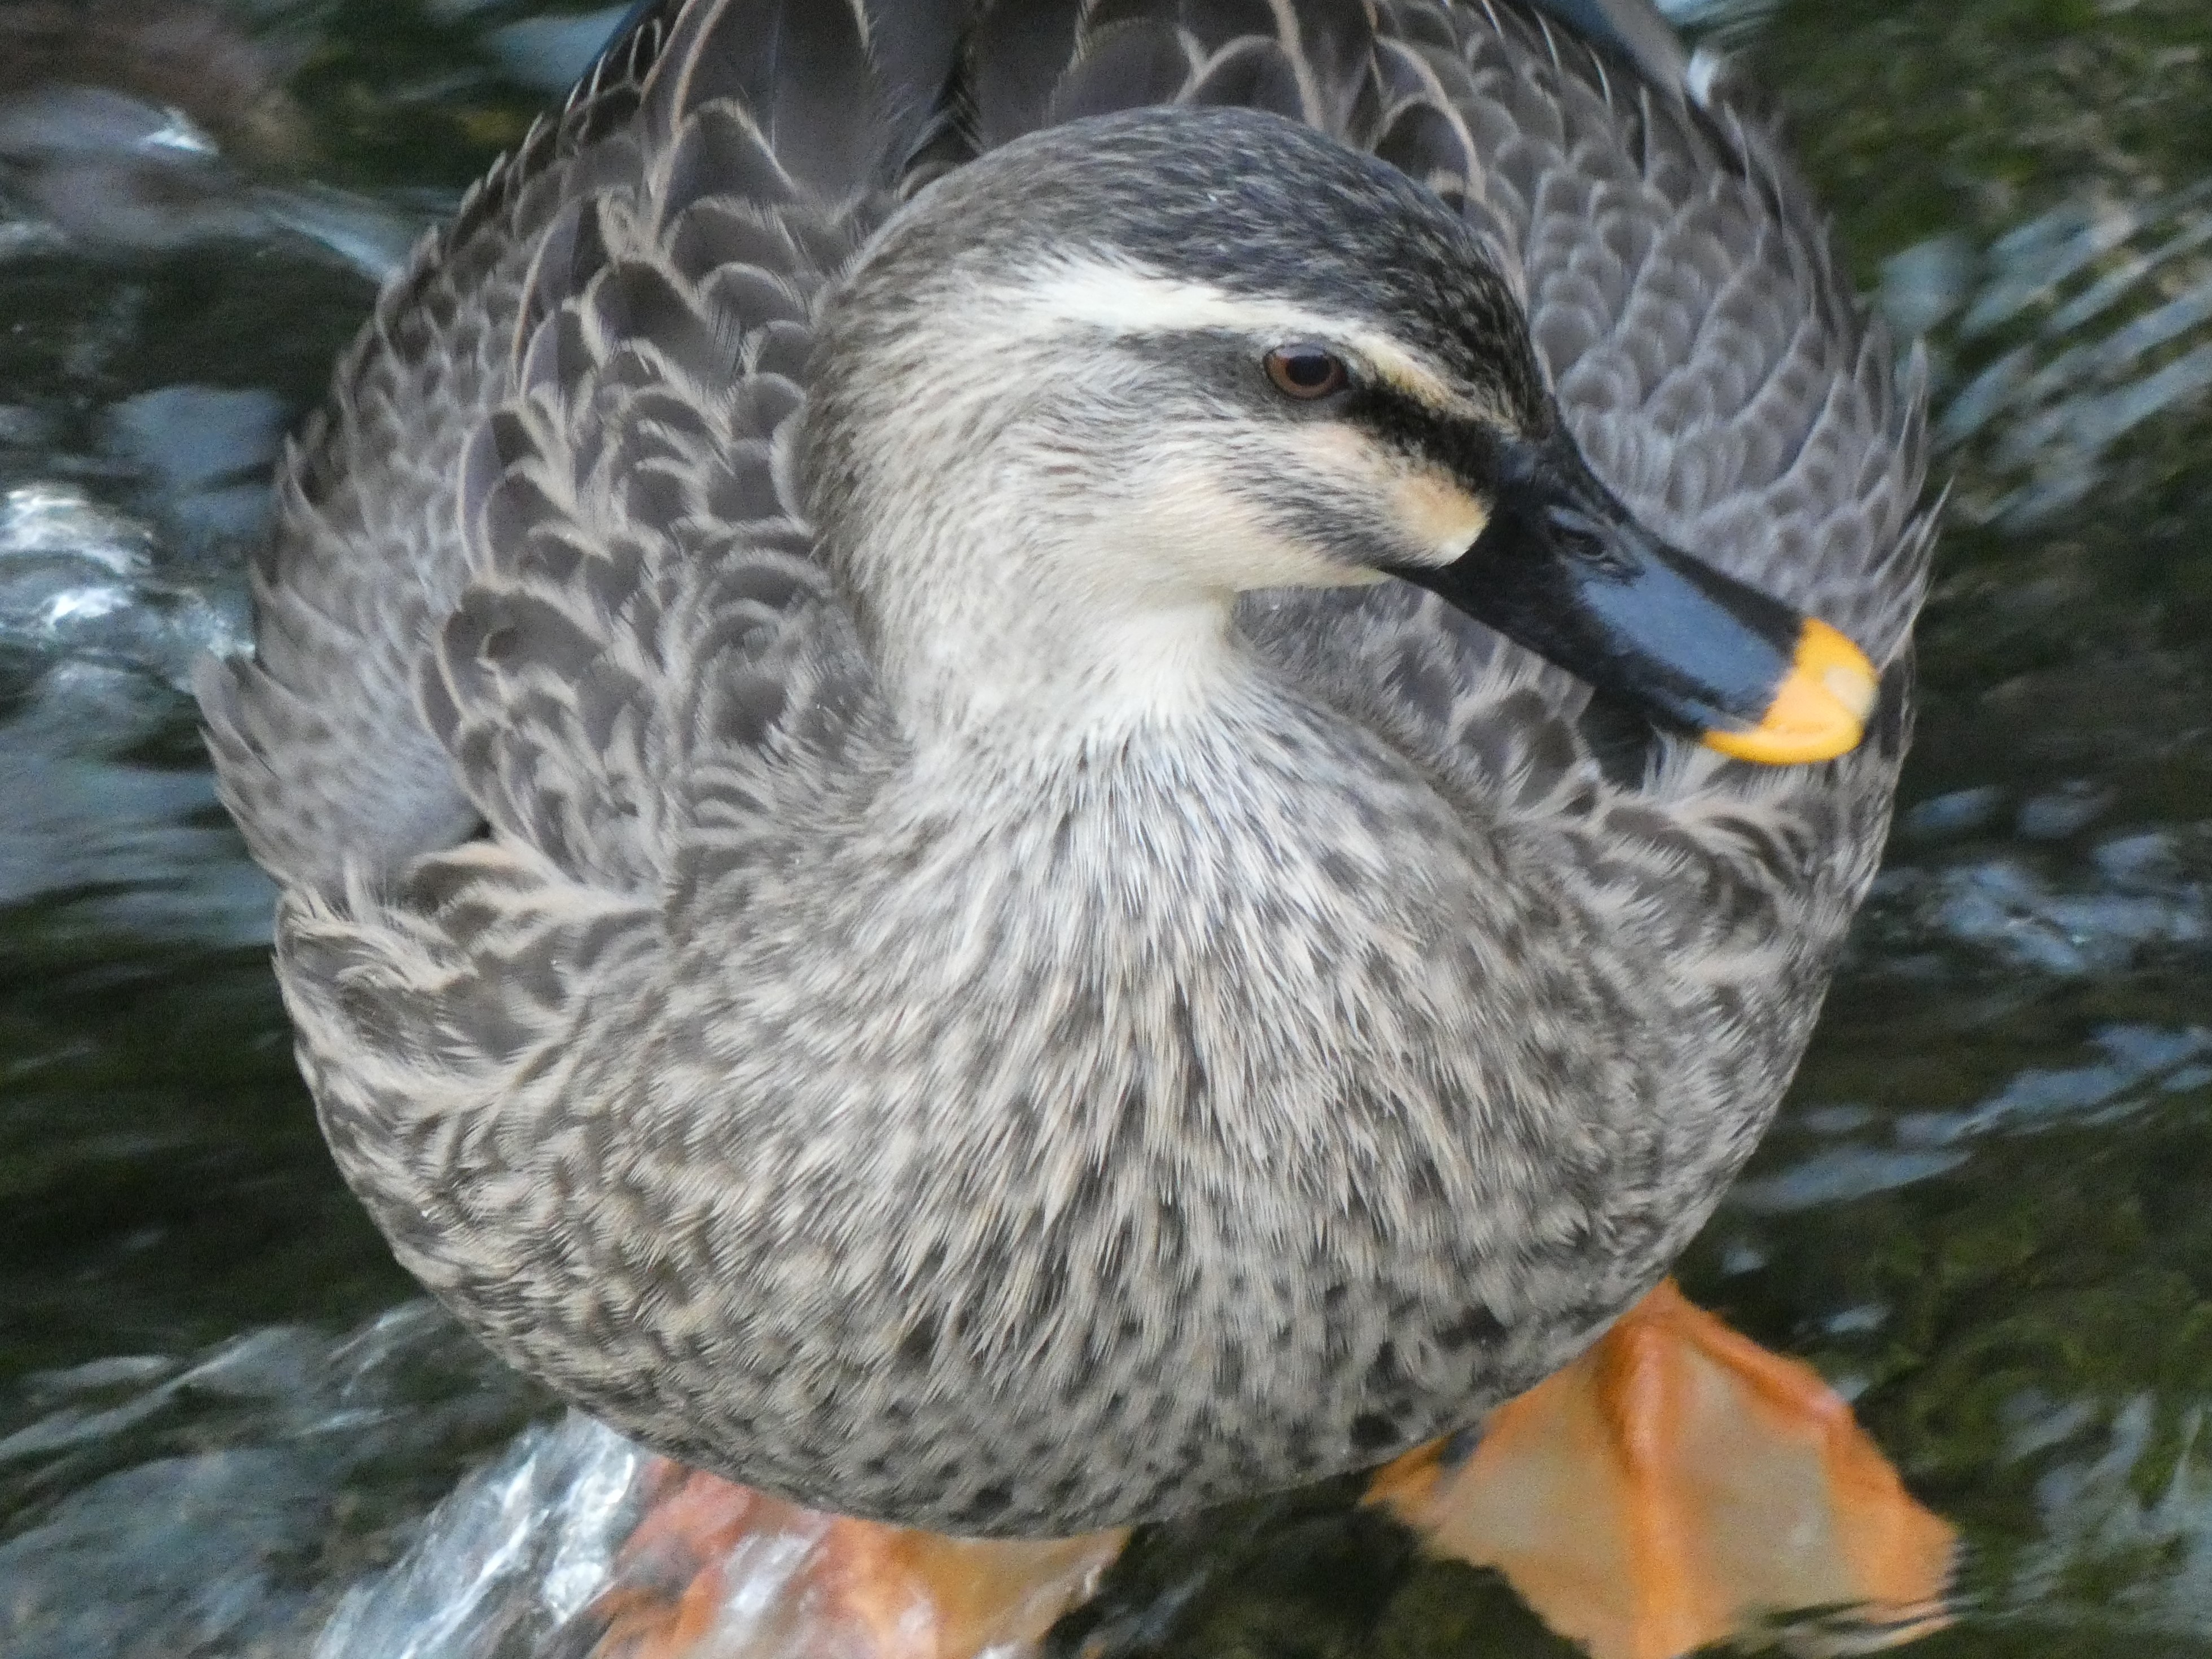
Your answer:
<point x="1305" y="371"/>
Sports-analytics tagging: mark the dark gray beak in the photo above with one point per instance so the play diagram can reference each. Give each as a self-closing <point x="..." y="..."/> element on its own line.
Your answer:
<point x="1565" y="569"/>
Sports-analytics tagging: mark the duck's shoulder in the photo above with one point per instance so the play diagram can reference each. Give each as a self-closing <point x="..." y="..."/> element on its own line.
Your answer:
<point x="858" y="92"/>
<point x="1708" y="858"/>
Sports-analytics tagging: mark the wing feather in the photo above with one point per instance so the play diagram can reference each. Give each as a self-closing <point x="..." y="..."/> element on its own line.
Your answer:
<point x="636" y="562"/>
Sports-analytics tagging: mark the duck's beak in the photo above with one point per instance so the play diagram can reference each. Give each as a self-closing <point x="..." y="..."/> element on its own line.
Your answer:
<point x="1563" y="568"/>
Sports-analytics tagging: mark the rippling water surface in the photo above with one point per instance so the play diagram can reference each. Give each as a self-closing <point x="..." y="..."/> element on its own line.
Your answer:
<point x="1986" y="1215"/>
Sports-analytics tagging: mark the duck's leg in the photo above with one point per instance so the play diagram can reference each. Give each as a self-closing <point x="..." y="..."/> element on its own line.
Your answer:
<point x="716" y="1570"/>
<point x="1676" y="1486"/>
<point x="1671" y="1487"/>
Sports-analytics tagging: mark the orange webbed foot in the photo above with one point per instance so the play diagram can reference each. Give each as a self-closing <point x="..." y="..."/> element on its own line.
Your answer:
<point x="1676" y="1485"/>
<point x="716" y="1570"/>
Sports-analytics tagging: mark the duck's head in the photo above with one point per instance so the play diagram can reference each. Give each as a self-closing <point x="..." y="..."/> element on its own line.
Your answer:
<point x="1099" y="382"/>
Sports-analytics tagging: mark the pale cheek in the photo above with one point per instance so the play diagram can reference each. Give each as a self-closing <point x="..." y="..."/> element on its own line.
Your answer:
<point x="1438" y="516"/>
<point x="1223" y="538"/>
<point x="1191" y="510"/>
<point x="1190" y="514"/>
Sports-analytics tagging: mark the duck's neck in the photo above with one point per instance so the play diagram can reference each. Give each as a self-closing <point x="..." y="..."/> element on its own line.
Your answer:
<point x="1028" y="636"/>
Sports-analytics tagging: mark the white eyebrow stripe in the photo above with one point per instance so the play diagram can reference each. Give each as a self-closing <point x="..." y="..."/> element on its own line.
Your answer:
<point x="1128" y="298"/>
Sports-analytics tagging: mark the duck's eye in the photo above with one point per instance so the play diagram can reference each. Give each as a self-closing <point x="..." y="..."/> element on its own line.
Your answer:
<point x="1305" y="371"/>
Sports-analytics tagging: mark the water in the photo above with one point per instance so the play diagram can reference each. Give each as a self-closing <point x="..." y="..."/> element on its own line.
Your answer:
<point x="1984" y="1215"/>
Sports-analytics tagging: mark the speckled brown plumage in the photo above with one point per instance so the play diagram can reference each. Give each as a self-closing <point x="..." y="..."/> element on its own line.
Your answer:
<point x="1012" y="1141"/>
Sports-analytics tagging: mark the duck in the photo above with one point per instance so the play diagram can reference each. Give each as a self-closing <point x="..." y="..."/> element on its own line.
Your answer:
<point x="1037" y="764"/>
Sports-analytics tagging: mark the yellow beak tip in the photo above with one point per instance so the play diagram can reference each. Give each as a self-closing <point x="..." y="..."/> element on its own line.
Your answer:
<point x="1819" y="710"/>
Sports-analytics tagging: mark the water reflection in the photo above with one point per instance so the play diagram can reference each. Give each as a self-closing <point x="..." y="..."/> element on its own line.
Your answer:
<point x="2111" y="306"/>
<point x="1983" y="1215"/>
<point x="217" y="1502"/>
<point x="130" y="127"/>
<point x="519" y="1549"/>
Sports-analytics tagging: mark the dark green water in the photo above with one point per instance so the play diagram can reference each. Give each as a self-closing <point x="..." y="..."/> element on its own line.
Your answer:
<point x="1986" y="1213"/>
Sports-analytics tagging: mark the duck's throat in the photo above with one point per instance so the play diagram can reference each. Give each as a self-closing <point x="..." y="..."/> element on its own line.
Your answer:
<point x="1038" y="660"/>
